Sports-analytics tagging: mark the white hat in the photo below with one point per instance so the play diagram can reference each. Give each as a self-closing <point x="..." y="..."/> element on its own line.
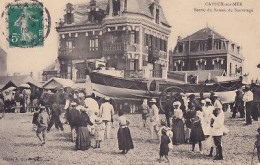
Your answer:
<point x="107" y="98"/>
<point x="74" y="104"/>
<point x="176" y="103"/>
<point x="152" y="100"/>
<point x="208" y="100"/>
<point x="215" y="95"/>
<point x="203" y="101"/>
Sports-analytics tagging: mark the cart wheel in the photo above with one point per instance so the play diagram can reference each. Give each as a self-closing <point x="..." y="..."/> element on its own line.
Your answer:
<point x="167" y="96"/>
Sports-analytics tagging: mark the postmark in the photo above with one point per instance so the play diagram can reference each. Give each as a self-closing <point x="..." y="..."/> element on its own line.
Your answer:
<point x="27" y="24"/>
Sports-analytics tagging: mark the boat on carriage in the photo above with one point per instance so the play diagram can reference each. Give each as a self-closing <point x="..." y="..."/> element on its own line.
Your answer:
<point x="117" y="86"/>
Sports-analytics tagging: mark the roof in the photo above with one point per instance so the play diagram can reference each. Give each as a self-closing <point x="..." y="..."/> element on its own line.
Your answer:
<point x="58" y="82"/>
<point x="17" y="80"/>
<point x="134" y="6"/>
<point x="202" y="35"/>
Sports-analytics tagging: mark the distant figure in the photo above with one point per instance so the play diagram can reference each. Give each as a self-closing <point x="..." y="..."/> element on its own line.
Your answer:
<point x="144" y="108"/>
<point x="248" y="100"/>
<point x="164" y="145"/>
<point x="218" y="131"/>
<point x="178" y="124"/>
<point x="107" y="113"/>
<point x="83" y="137"/>
<point x="99" y="131"/>
<point x="238" y="104"/>
<point x="42" y="123"/>
<point x="72" y="116"/>
<point x="196" y="135"/>
<point x="154" y="118"/>
<point x="256" y="101"/>
<point x="125" y="142"/>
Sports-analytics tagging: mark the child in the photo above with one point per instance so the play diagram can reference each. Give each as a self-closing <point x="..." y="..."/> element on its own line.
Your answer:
<point x="196" y="135"/>
<point x="35" y="117"/>
<point x="168" y="132"/>
<point x="164" y="145"/>
<point x="99" y="131"/>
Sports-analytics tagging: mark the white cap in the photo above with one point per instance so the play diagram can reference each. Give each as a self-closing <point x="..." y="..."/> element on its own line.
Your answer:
<point x="176" y="103"/>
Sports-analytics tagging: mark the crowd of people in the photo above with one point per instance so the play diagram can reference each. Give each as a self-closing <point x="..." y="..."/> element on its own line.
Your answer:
<point x="188" y="120"/>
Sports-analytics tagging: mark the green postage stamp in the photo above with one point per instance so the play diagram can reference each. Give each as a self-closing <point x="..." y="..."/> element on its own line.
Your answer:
<point x="25" y="24"/>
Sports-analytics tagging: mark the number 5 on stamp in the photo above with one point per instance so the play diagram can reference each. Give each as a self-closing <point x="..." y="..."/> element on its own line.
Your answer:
<point x="25" y="23"/>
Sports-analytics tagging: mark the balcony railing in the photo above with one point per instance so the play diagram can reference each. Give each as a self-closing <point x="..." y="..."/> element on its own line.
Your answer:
<point x="133" y="73"/>
<point x="66" y="52"/>
<point x="156" y="73"/>
<point x="121" y="46"/>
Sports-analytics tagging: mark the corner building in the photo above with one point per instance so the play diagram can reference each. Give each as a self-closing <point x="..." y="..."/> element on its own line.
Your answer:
<point x="128" y="35"/>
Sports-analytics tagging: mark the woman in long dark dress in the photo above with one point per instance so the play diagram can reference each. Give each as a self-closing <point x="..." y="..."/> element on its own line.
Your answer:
<point x="196" y="135"/>
<point x="83" y="137"/>
<point x="178" y="124"/>
<point x="125" y="142"/>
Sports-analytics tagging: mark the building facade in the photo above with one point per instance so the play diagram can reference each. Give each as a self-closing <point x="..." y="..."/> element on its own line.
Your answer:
<point x="207" y="50"/>
<point x="128" y="35"/>
<point x="3" y="62"/>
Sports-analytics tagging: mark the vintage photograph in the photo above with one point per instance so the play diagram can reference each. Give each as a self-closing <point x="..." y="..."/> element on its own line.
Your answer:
<point x="116" y="82"/>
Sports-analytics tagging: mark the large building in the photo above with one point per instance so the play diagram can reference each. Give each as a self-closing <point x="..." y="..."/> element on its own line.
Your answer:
<point x="207" y="50"/>
<point x="128" y="35"/>
<point x="3" y="62"/>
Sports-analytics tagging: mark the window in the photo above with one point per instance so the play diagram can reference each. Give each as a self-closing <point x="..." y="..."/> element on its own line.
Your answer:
<point x="180" y="48"/>
<point x="201" y="64"/>
<point x="69" y="44"/>
<point x="217" y="45"/>
<point x="202" y="47"/>
<point x="157" y="16"/>
<point x="133" y="64"/>
<point x="134" y="37"/>
<point x="93" y="44"/>
<point x="146" y="40"/>
<point x="230" y="69"/>
<point x="179" y="65"/>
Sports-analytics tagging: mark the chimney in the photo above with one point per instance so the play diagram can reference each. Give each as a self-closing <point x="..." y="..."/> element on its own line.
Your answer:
<point x="31" y="74"/>
<point x="179" y="38"/>
<point x="69" y="16"/>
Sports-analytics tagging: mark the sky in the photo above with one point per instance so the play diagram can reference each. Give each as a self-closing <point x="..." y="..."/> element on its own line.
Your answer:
<point x="185" y="17"/>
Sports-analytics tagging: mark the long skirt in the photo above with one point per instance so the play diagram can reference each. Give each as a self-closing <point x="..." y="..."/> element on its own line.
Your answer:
<point x="83" y="138"/>
<point x="124" y="139"/>
<point x="196" y="134"/>
<point x="178" y="131"/>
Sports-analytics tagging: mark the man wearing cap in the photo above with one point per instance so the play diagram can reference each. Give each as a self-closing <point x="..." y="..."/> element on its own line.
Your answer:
<point x="107" y="113"/>
<point x="42" y="123"/>
<point x="154" y="117"/>
<point x="248" y="100"/>
<point x="72" y="116"/>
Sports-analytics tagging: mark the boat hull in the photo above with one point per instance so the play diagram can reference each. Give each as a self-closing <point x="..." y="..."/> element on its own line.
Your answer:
<point x="121" y="88"/>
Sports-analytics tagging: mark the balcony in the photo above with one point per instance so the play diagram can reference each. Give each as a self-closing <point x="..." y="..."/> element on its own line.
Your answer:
<point x="133" y="73"/>
<point x="153" y="53"/>
<point x="156" y="73"/>
<point x="120" y="47"/>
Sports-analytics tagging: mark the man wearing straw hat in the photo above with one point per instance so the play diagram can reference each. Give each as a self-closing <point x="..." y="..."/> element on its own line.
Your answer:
<point x="107" y="112"/>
